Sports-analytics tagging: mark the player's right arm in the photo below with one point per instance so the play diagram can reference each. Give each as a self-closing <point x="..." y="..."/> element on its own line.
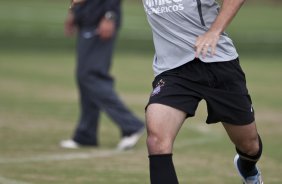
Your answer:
<point x="209" y="40"/>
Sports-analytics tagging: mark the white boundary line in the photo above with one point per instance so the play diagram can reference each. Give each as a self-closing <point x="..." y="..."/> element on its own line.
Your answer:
<point x="10" y="181"/>
<point x="96" y="153"/>
<point x="61" y="157"/>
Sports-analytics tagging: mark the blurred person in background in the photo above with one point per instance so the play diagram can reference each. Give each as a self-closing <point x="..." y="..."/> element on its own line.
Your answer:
<point x="96" y="23"/>
<point x="194" y="60"/>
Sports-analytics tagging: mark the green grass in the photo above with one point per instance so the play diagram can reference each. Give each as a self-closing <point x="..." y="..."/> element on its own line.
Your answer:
<point x="39" y="108"/>
<point x="39" y="101"/>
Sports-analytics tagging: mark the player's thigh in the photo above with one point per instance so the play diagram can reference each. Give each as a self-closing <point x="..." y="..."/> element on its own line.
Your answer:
<point x="163" y="120"/>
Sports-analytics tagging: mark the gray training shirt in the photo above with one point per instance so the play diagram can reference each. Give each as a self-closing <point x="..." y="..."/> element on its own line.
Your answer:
<point x="176" y="24"/>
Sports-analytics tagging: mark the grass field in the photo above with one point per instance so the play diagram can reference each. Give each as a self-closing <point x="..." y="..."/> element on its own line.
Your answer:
<point x="39" y="102"/>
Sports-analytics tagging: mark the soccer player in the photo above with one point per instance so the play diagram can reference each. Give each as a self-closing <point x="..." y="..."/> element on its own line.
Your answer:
<point x="194" y="60"/>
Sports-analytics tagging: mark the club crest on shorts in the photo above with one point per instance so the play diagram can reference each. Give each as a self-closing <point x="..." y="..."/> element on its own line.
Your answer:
<point x="158" y="87"/>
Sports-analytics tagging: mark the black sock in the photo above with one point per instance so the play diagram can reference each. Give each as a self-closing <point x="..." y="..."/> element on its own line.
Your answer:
<point x="162" y="169"/>
<point x="247" y="163"/>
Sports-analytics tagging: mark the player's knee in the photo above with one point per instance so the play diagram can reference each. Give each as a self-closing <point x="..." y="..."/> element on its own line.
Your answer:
<point x="251" y="146"/>
<point x="158" y="145"/>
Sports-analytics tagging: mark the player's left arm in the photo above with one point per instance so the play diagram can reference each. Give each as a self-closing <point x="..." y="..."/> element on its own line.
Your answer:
<point x="209" y="40"/>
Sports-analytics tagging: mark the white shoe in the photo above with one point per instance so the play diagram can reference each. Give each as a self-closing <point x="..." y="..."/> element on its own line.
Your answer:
<point x="69" y="144"/>
<point x="129" y="142"/>
<point x="256" y="179"/>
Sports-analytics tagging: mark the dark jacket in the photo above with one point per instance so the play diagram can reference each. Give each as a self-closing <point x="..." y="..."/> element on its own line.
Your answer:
<point x="90" y="12"/>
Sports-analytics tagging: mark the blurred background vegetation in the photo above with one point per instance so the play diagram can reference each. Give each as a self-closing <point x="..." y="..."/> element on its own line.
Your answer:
<point x="37" y="25"/>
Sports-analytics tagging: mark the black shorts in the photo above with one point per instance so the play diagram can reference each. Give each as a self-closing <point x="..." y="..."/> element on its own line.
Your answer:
<point x="221" y="84"/>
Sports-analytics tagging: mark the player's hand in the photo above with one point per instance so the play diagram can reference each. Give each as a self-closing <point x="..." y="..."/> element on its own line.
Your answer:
<point x="106" y="29"/>
<point x="205" y="44"/>
<point x="70" y="27"/>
